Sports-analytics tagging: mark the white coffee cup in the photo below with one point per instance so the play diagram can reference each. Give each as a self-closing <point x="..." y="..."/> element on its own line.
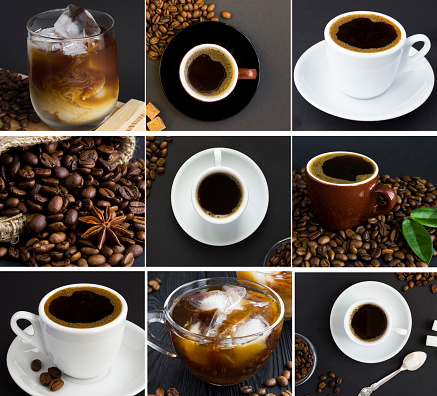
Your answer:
<point x="390" y="328"/>
<point x="79" y="353"/>
<point x="237" y="73"/>
<point x="218" y="168"/>
<point x="364" y="75"/>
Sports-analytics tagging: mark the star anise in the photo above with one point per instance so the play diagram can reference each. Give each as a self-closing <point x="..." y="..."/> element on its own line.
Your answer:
<point x="103" y="226"/>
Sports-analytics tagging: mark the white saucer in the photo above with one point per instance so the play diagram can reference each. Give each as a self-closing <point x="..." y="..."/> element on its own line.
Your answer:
<point x="126" y="378"/>
<point x="410" y="89"/>
<point x="394" y="303"/>
<point x="224" y="234"/>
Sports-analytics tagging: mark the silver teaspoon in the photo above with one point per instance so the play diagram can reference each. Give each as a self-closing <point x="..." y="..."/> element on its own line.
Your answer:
<point x="411" y="362"/>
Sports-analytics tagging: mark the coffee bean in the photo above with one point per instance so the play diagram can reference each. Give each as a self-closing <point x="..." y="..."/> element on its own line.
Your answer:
<point x="56" y="384"/>
<point x="226" y="15"/>
<point x="54" y="372"/>
<point x="160" y="392"/>
<point x="45" y="379"/>
<point x="172" y="392"/>
<point x="36" y="223"/>
<point x="261" y="392"/>
<point x="337" y="390"/>
<point x="270" y="382"/>
<point x="36" y="365"/>
<point x="286" y="393"/>
<point x="282" y="381"/>
<point x="127" y="260"/>
<point x="245" y="390"/>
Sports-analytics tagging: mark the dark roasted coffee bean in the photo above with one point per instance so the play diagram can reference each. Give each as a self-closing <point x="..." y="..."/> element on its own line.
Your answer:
<point x="56" y="384"/>
<point x="36" y="223"/>
<point x="36" y="365"/>
<point x="160" y="392"/>
<point x="270" y="382"/>
<point x="45" y="379"/>
<point x="54" y="372"/>
<point x="246" y="390"/>
<point x="172" y="392"/>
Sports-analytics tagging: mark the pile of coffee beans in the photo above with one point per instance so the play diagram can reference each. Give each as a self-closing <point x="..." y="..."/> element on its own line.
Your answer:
<point x="304" y="359"/>
<point x="57" y="184"/>
<point x="377" y="241"/>
<point x="51" y="378"/>
<point x="329" y="380"/>
<point x="418" y="279"/>
<point x="166" y="18"/>
<point x="281" y="257"/>
<point x="154" y="285"/>
<point x="156" y="151"/>
<point x="282" y="380"/>
<point x="161" y="392"/>
<point x="15" y="101"/>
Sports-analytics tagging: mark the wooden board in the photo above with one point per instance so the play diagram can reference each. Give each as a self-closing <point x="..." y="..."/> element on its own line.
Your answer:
<point x="128" y="116"/>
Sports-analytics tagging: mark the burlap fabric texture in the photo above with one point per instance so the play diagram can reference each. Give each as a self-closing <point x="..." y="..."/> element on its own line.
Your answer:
<point x="12" y="227"/>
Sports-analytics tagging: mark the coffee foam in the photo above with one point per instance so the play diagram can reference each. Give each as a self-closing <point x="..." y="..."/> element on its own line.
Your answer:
<point x="115" y="301"/>
<point x="217" y="56"/>
<point x="316" y="169"/>
<point x="333" y="30"/>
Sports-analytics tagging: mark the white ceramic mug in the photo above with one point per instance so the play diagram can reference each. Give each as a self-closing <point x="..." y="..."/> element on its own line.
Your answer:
<point x="79" y="353"/>
<point x="390" y="328"/>
<point x="215" y="169"/>
<point x="364" y="75"/>
<point x="237" y="73"/>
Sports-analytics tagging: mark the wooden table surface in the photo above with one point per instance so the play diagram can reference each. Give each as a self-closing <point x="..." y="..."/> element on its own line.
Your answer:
<point x="167" y="372"/>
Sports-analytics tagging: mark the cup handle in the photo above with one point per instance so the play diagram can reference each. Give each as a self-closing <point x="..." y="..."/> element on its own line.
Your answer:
<point x="388" y="194"/>
<point x="36" y="339"/>
<point x="408" y="60"/>
<point x="157" y="316"/>
<point x="247" y="74"/>
<point x="399" y="331"/>
<point x="217" y="157"/>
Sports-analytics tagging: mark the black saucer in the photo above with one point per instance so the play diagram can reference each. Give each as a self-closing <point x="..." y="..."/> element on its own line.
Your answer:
<point x="213" y="33"/>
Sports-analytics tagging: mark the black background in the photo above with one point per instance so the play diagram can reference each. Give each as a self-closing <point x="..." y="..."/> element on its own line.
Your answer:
<point x="167" y="372"/>
<point x="129" y="31"/>
<point x="139" y="261"/>
<point x="396" y="156"/>
<point x="268" y="29"/>
<point x="167" y="242"/>
<point x="309" y="21"/>
<point x="312" y="320"/>
<point x="22" y="291"/>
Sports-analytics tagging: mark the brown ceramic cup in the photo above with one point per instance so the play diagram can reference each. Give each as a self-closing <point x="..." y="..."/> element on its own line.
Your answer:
<point x="342" y="206"/>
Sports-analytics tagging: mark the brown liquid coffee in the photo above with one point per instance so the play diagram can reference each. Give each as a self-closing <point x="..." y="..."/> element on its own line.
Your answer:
<point x="209" y="72"/>
<point x="219" y="195"/>
<point x="342" y="168"/>
<point x="368" y="322"/>
<point x="83" y="307"/>
<point x="365" y="33"/>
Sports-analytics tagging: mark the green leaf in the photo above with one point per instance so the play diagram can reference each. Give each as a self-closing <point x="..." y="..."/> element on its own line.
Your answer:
<point x="425" y="216"/>
<point x="418" y="238"/>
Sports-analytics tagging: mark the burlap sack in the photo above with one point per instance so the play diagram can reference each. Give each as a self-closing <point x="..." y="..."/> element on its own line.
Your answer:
<point x="12" y="227"/>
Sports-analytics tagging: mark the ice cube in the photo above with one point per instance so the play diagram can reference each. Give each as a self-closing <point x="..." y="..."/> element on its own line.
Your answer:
<point x="210" y="300"/>
<point x="76" y="22"/>
<point x="46" y="40"/>
<point x="197" y="327"/>
<point x="253" y="324"/>
<point x="235" y="294"/>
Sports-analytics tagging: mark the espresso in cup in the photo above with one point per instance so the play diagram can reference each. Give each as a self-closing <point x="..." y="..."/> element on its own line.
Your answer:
<point x="219" y="195"/>
<point x="368" y="322"/>
<point x="209" y="72"/>
<point x="342" y="168"/>
<point x="365" y="33"/>
<point x="83" y="307"/>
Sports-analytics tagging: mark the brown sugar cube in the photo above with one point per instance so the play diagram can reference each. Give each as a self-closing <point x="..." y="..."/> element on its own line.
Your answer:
<point x="151" y="111"/>
<point x="156" y="124"/>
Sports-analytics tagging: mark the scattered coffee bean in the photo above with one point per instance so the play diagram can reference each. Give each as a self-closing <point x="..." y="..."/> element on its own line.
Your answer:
<point x="378" y="238"/>
<point x="36" y="365"/>
<point x="245" y="390"/>
<point x="282" y="381"/>
<point x="153" y="155"/>
<point x="226" y="15"/>
<point x="286" y="374"/>
<point x="286" y="393"/>
<point x="261" y="392"/>
<point x="54" y="372"/>
<point x="160" y="392"/>
<point x="270" y="382"/>
<point x="45" y="379"/>
<point x="56" y="384"/>
<point x="172" y="392"/>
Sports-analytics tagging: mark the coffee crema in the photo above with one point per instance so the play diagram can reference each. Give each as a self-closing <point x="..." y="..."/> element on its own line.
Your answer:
<point x="342" y="168"/>
<point x="83" y="307"/>
<point x="366" y="33"/>
<point x="368" y="322"/>
<point x="209" y="72"/>
<point x="219" y="194"/>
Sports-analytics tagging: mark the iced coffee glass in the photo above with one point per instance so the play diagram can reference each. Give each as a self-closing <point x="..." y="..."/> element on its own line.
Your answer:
<point x="279" y="281"/>
<point x="222" y="329"/>
<point x="73" y="81"/>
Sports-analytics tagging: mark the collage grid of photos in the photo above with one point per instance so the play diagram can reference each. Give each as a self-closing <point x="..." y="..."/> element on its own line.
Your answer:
<point x="247" y="187"/>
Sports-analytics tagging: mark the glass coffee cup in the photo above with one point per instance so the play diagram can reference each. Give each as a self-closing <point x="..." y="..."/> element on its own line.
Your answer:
<point x="73" y="81"/>
<point x="211" y="343"/>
